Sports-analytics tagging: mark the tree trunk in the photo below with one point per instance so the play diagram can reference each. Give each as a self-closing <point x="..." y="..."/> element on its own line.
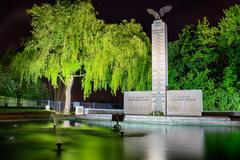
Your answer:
<point x="68" y="96"/>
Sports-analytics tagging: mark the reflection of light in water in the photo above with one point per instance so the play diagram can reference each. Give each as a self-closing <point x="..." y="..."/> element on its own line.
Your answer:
<point x="10" y="138"/>
<point x="156" y="147"/>
<point x="167" y="143"/>
<point x="66" y="123"/>
<point x="148" y="146"/>
<point x="77" y="124"/>
<point x="185" y="142"/>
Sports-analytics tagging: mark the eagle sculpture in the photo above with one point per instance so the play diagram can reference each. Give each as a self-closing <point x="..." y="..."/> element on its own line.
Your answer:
<point x="161" y="13"/>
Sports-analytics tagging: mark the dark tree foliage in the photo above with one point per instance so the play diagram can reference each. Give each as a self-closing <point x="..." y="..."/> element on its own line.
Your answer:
<point x="10" y="86"/>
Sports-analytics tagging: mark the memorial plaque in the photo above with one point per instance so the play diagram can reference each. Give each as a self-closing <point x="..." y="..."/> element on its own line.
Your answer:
<point x="138" y="102"/>
<point x="184" y="102"/>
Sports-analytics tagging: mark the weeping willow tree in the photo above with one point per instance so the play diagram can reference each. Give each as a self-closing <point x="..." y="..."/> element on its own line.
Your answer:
<point x="118" y="59"/>
<point x="67" y="38"/>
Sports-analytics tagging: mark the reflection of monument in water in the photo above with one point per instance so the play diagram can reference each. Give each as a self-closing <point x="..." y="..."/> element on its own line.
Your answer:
<point x="160" y="100"/>
<point x="167" y="142"/>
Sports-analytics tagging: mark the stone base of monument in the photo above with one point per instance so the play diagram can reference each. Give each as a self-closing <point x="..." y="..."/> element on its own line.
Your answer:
<point x="138" y="102"/>
<point x="179" y="103"/>
<point x="104" y="119"/>
<point x="184" y="103"/>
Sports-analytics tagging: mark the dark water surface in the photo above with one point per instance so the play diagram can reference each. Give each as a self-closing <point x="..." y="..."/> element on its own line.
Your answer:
<point x="37" y="141"/>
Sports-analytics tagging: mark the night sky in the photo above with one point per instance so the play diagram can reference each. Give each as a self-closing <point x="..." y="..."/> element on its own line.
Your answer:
<point x="15" y="24"/>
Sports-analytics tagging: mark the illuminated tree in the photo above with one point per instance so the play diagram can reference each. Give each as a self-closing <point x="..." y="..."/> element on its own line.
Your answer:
<point x="118" y="59"/>
<point x="191" y="60"/>
<point x="229" y="42"/>
<point x="67" y="38"/>
<point x="208" y="58"/>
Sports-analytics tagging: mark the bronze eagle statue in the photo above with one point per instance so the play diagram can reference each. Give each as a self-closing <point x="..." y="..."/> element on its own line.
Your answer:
<point x="161" y="13"/>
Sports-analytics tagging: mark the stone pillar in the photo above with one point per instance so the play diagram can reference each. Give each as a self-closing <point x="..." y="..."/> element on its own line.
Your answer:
<point x="159" y="66"/>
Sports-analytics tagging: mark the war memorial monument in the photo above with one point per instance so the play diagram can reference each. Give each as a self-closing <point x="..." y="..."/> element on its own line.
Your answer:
<point x="161" y="100"/>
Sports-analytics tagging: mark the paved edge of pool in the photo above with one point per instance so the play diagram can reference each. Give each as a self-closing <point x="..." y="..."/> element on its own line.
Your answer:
<point x="171" y="120"/>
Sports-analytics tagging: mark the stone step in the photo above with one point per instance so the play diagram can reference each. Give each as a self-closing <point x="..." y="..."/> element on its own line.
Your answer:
<point x="170" y="120"/>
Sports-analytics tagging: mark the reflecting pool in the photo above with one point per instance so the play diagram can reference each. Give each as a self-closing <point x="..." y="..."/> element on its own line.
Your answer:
<point x="96" y="141"/>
